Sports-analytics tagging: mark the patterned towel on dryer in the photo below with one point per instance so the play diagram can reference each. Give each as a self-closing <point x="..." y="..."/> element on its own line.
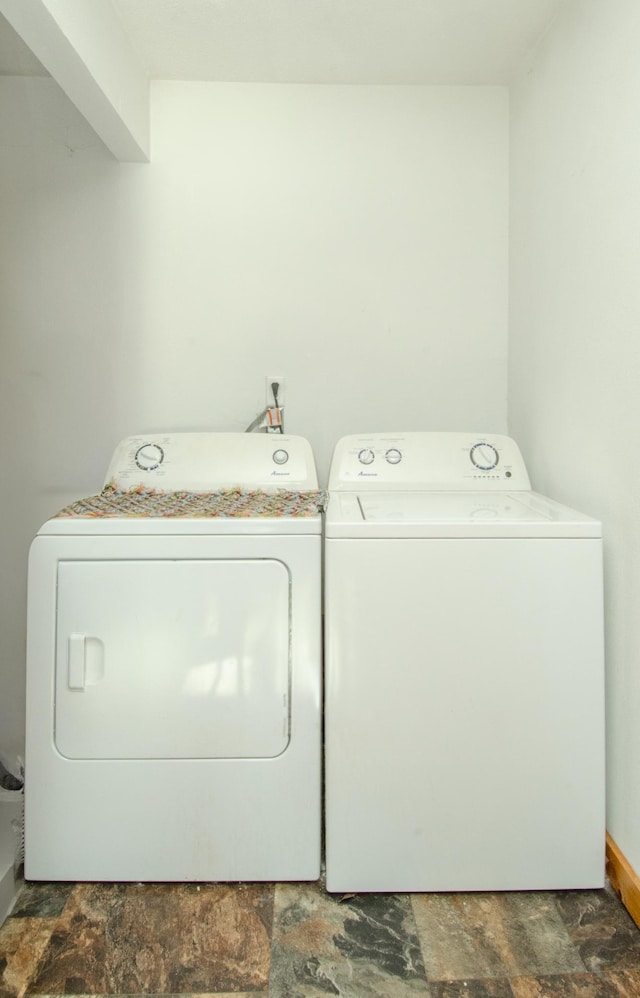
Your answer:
<point x="225" y="503"/>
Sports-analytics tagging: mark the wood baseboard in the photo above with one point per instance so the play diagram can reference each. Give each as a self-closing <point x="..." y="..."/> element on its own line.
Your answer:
<point x="624" y="879"/>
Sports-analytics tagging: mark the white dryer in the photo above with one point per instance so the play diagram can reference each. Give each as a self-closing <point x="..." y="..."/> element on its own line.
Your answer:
<point x="174" y="668"/>
<point x="464" y="715"/>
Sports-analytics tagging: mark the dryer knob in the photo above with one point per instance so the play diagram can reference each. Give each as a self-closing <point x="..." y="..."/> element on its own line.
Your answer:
<point x="149" y="457"/>
<point x="280" y="456"/>
<point x="393" y="455"/>
<point x="366" y="456"/>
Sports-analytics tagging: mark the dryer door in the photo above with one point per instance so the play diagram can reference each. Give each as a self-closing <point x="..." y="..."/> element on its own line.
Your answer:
<point x="172" y="659"/>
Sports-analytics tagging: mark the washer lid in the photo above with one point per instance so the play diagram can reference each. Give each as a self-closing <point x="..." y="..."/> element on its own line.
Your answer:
<point x="454" y="514"/>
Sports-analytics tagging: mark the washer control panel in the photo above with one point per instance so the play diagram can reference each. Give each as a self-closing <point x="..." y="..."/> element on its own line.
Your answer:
<point x="428" y="461"/>
<point x="484" y="456"/>
<point x="206" y="462"/>
<point x="368" y="455"/>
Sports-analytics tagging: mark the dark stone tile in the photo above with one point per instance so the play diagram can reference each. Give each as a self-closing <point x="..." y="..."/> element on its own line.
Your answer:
<point x="41" y="900"/>
<point x="366" y="946"/>
<point x="180" y="939"/>
<point x="582" y="911"/>
<point x="74" y="961"/>
<point x="22" y="944"/>
<point x="121" y="939"/>
<point x="566" y="986"/>
<point x="488" y="988"/>
<point x="626" y="982"/>
<point x="601" y="928"/>
<point x="479" y="936"/>
<point x="205" y="940"/>
<point x="377" y="930"/>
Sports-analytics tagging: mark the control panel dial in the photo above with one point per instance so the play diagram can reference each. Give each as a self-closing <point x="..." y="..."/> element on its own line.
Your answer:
<point x="280" y="456"/>
<point x="393" y="455"/>
<point x="484" y="456"/>
<point x="149" y="457"/>
<point x="366" y="456"/>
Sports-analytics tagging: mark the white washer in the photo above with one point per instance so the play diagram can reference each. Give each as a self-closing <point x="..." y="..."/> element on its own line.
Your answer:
<point x="464" y="718"/>
<point x="174" y="676"/>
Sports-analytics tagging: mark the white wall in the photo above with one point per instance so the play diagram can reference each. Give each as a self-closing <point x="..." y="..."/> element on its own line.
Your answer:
<point x="11" y="813"/>
<point x="353" y="240"/>
<point x="574" y="399"/>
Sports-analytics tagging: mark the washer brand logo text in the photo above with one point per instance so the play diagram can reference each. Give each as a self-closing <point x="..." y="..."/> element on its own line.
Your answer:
<point x="368" y="474"/>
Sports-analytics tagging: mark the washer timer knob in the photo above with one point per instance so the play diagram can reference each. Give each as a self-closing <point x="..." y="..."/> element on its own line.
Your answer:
<point x="366" y="456"/>
<point x="393" y="455"/>
<point x="280" y="456"/>
<point x="149" y="457"/>
<point x="484" y="456"/>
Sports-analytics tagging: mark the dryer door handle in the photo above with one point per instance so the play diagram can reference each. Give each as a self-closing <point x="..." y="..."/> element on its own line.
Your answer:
<point x="77" y="662"/>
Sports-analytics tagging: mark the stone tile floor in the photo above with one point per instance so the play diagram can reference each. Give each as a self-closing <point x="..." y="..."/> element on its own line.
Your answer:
<point x="297" y="941"/>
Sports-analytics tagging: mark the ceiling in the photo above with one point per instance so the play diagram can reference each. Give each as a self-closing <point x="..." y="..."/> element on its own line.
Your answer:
<point x="434" y="42"/>
<point x="16" y="59"/>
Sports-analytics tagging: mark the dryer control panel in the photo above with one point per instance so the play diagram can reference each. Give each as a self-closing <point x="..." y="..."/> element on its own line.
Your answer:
<point x="206" y="462"/>
<point x="428" y="461"/>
